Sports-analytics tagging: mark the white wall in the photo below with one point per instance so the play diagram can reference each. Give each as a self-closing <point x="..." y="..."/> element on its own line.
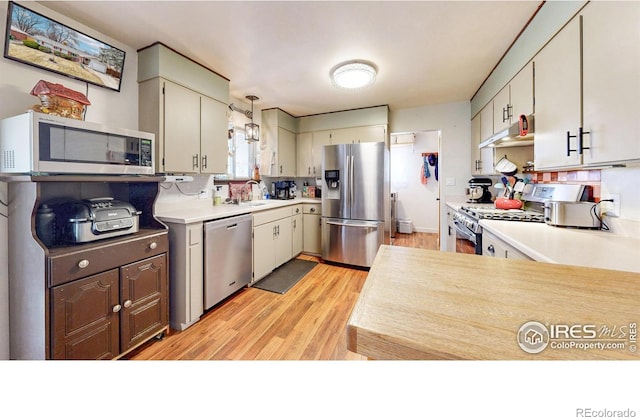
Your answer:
<point x="110" y="107"/>
<point x="416" y="201"/>
<point x="454" y="122"/>
<point x="4" y="276"/>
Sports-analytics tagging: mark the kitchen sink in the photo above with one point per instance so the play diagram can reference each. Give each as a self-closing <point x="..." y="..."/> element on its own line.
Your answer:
<point x="253" y="203"/>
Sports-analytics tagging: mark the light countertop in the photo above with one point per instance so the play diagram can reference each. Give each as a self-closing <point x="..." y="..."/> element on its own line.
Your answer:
<point x="569" y="246"/>
<point x="422" y="304"/>
<point x="580" y="247"/>
<point x="193" y="211"/>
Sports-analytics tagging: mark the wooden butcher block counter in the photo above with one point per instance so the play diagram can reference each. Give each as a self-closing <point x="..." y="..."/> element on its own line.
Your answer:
<point x="422" y="304"/>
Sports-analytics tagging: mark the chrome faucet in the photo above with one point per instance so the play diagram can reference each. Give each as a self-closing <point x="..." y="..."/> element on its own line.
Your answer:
<point x="249" y="191"/>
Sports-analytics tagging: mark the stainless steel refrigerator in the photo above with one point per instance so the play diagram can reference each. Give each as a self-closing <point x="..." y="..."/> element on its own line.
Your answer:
<point x="355" y="202"/>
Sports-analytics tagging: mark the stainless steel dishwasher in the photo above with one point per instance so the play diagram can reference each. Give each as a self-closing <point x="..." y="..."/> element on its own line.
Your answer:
<point x="227" y="257"/>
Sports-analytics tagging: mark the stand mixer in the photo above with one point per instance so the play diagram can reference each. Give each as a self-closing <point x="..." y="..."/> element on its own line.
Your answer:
<point x="478" y="191"/>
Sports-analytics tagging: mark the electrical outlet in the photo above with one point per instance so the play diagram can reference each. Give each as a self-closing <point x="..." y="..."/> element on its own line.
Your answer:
<point x="610" y="208"/>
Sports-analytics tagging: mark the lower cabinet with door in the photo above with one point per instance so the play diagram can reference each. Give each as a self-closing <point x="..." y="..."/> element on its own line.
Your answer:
<point x="495" y="247"/>
<point x="107" y="299"/>
<point x="311" y="213"/>
<point x="272" y="240"/>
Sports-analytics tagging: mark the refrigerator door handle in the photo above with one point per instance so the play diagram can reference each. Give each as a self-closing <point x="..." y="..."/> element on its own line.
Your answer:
<point x="365" y="224"/>
<point x="352" y="198"/>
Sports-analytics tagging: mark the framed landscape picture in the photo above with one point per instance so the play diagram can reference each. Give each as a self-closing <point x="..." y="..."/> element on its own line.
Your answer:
<point x="36" y="40"/>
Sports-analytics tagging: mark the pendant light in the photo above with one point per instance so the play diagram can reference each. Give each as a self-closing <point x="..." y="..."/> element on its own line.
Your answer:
<point x="252" y="130"/>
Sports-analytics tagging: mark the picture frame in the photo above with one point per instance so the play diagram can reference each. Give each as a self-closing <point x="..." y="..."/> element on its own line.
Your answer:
<point x="39" y="41"/>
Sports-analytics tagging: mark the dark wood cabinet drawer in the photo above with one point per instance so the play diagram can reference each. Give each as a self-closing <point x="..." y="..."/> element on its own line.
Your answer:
<point x="75" y="262"/>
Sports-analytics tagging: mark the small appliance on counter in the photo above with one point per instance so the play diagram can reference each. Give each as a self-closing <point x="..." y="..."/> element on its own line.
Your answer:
<point x="284" y="190"/>
<point x="478" y="191"/>
<point x="61" y="221"/>
<point x="580" y="215"/>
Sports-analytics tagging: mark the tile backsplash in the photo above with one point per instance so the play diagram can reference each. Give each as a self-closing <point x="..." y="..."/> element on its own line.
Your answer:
<point x="590" y="177"/>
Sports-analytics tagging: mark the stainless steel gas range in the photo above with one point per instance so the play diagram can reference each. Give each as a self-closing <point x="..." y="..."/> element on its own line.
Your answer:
<point x="467" y="218"/>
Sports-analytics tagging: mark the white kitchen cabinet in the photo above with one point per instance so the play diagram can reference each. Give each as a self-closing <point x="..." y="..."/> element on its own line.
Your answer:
<point x="451" y="231"/>
<point x="502" y="110"/>
<point x="557" y="87"/>
<point x="481" y="159"/>
<point x="593" y="92"/>
<point x="310" y="149"/>
<point x="521" y="93"/>
<point x="304" y="147"/>
<point x="514" y="99"/>
<point x="272" y="240"/>
<point x="611" y="81"/>
<point x="185" y="105"/>
<point x="311" y="213"/>
<point x="495" y="247"/>
<point x="486" y="121"/>
<point x="360" y="134"/>
<point x="190" y="129"/>
<point x="186" y="277"/>
<point x="279" y="142"/>
<point x="297" y="230"/>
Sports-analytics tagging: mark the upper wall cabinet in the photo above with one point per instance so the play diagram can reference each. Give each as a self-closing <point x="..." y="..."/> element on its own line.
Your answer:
<point x="514" y="99"/>
<point x="359" y="134"/>
<point x="310" y="148"/>
<point x="481" y="159"/>
<point x="185" y="105"/>
<point x="587" y="116"/>
<point x="278" y="144"/>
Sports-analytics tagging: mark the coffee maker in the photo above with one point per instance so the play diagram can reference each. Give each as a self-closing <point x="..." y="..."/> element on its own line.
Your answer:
<point x="285" y="190"/>
<point x="478" y="191"/>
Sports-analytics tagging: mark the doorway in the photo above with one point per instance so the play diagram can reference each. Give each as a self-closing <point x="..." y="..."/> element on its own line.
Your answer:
<point x="417" y="194"/>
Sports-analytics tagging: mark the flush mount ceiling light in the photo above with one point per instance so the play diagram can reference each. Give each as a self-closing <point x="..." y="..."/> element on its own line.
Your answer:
<point x="252" y="130"/>
<point x="353" y="74"/>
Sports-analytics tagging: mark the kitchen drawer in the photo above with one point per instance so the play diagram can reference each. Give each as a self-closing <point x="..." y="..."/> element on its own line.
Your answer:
<point x="311" y="208"/>
<point x="71" y="263"/>
<point x="297" y="209"/>
<point x="268" y="216"/>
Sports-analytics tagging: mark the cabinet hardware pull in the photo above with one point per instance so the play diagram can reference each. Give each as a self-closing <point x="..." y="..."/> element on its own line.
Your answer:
<point x="195" y="161"/>
<point x="308" y="170"/>
<point x="569" y="150"/>
<point x="83" y="263"/>
<point x="581" y="146"/>
<point x="153" y="245"/>
<point x="204" y="161"/>
<point x="509" y="111"/>
<point x="505" y="113"/>
<point x="281" y="169"/>
<point x="127" y="304"/>
<point x="312" y="209"/>
<point x="117" y="308"/>
<point x="491" y="250"/>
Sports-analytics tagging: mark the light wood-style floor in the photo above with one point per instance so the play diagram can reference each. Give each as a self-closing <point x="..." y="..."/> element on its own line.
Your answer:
<point x="308" y="322"/>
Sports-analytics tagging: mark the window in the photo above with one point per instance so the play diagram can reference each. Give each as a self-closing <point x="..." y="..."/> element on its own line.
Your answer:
<point x="242" y="155"/>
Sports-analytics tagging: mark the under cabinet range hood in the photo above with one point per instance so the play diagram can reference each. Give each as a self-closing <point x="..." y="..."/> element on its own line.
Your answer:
<point x="519" y="133"/>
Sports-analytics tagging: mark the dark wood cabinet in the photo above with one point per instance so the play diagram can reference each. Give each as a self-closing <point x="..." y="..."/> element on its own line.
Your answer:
<point x="103" y="315"/>
<point x="94" y="300"/>
<point x="110" y="313"/>
<point x="143" y="291"/>
<point x="83" y="321"/>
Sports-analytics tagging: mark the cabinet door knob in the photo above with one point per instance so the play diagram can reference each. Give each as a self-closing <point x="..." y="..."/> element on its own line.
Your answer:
<point x="312" y="209"/>
<point x="83" y="263"/>
<point x="127" y="304"/>
<point x="117" y="308"/>
<point x="491" y="250"/>
<point x="153" y="245"/>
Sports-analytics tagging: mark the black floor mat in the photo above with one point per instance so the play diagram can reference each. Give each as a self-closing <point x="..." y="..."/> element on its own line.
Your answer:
<point x="286" y="276"/>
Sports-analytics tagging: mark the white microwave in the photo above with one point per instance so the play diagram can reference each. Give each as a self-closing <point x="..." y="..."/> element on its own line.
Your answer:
<point x="36" y="144"/>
